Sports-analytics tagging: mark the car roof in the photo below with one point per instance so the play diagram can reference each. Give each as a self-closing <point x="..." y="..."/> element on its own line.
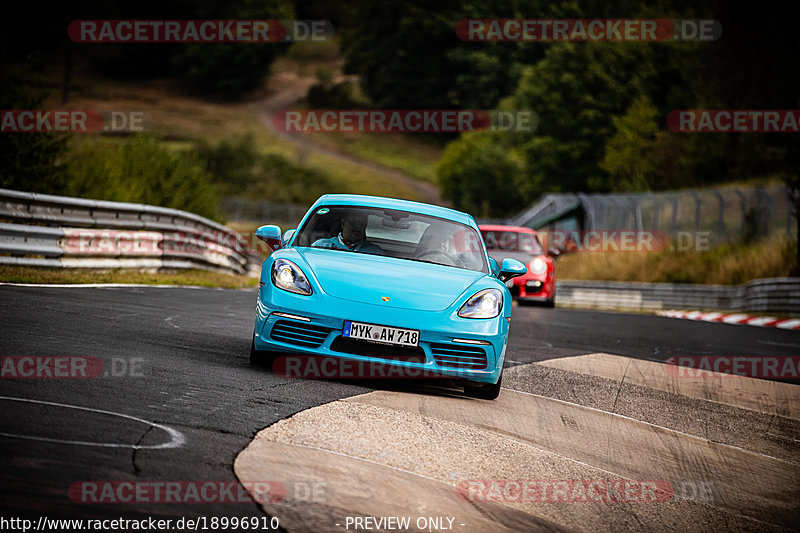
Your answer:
<point x="394" y="203"/>
<point x="500" y="227"/>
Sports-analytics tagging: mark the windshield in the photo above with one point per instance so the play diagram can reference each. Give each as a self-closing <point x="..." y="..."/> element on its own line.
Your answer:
<point x="512" y="241"/>
<point x="393" y="233"/>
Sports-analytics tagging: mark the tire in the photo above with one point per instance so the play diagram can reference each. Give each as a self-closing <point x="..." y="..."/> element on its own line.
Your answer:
<point x="259" y="357"/>
<point x="485" y="392"/>
<point x="551" y="302"/>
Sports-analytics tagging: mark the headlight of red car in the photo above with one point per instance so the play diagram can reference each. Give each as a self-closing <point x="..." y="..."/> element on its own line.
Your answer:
<point x="538" y="265"/>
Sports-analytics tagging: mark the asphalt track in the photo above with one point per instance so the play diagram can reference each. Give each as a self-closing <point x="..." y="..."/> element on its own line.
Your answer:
<point x="179" y="402"/>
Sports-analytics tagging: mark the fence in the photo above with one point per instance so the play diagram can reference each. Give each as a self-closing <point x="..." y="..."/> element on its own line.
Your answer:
<point x="58" y="231"/>
<point x="239" y="209"/>
<point x="726" y="214"/>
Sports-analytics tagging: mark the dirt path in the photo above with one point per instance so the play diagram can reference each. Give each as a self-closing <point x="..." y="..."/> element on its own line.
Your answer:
<point x="286" y="88"/>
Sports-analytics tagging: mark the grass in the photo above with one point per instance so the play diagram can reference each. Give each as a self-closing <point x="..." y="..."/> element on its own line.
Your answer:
<point x="201" y="278"/>
<point x="415" y="155"/>
<point x="180" y="120"/>
<point x="403" y="152"/>
<point x="729" y="264"/>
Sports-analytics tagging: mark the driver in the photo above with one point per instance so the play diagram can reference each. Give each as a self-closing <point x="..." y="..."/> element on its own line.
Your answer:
<point x="438" y="242"/>
<point x="353" y="237"/>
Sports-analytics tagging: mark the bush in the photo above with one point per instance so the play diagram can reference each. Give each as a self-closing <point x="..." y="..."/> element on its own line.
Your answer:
<point x="239" y="169"/>
<point x="327" y="94"/>
<point x="480" y="176"/>
<point x="140" y="169"/>
<point x="28" y="161"/>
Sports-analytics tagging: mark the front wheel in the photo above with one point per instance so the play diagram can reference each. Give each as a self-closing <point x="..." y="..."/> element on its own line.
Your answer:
<point x="485" y="392"/>
<point x="259" y="357"/>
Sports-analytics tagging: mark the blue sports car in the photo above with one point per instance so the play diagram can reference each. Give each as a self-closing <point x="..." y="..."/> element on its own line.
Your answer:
<point x="388" y="281"/>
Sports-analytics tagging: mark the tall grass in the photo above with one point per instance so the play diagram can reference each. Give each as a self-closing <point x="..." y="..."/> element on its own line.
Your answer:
<point x="729" y="264"/>
<point x="140" y="169"/>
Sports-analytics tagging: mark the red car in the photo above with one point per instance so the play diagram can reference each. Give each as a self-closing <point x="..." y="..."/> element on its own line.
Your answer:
<point x="539" y="284"/>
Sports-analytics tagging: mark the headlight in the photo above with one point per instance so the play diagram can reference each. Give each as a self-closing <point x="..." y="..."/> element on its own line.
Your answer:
<point x="485" y="304"/>
<point x="538" y="266"/>
<point x="288" y="276"/>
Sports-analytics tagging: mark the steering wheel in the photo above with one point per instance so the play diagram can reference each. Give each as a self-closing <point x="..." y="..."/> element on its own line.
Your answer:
<point x="441" y="257"/>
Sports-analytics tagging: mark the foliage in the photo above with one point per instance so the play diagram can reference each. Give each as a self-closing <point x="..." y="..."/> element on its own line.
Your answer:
<point x="28" y="161"/>
<point x="328" y="94"/>
<point x="408" y="56"/>
<point x="220" y="70"/>
<point x="238" y="168"/>
<point x="603" y="106"/>
<point x="140" y="169"/>
<point x="727" y="264"/>
<point x="481" y="177"/>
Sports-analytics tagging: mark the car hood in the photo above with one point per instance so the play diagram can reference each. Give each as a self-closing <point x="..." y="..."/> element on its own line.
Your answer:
<point x="370" y="278"/>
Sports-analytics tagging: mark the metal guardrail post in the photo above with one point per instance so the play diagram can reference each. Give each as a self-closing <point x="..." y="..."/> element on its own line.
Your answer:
<point x="697" y="204"/>
<point x="720" y="216"/>
<point x="656" y="209"/>
<point x="743" y="200"/>
<point x="219" y="248"/>
<point x="789" y="211"/>
<point x="674" y="227"/>
<point x="767" y="213"/>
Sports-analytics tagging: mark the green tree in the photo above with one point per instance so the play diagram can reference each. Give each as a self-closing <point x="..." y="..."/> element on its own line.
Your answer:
<point x="480" y="176"/>
<point x="229" y="70"/>
<point x="140" y="169"/>
<point x="576" y="90"/>
<point x="634" y="155"/>
<point x="224" y="70"/>
<point x="28" y="161"/>
<point x="238" y="168"/>
<point x="408" y="56"/>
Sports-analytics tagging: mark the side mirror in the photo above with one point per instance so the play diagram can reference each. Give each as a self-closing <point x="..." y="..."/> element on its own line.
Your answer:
<point x="287" y="236"/>
<point x="511" y="268"/>
<point x="270" y="235"/>
<point x="553" y="252"/>
<point x="494" y="266"/>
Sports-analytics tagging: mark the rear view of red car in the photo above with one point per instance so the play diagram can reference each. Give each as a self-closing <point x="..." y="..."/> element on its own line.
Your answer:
<point x="539" y="284"/>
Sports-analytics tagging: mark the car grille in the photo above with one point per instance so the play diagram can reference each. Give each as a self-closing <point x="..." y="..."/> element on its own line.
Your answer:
<point x="299" y="333"/>
<point x="531" y="288"/>
<point x="458" y="356"/>
<point x="412" y="354"/>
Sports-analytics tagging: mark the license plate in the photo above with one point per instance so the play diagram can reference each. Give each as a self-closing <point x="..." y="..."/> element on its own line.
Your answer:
<point x="382" y="334"/>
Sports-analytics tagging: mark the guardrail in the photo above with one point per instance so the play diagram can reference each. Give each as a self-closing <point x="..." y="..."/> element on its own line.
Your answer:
<point x="770" y="295"/>
<point x="59" y="231"/>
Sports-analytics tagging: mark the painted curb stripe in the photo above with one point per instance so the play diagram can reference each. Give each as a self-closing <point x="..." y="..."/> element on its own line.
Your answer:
<point x="735" y="318"/>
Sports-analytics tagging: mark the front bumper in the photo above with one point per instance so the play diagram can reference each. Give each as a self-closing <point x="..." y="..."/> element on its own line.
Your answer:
<point x="294" y="324"/>
<point x="533" y="288"/>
